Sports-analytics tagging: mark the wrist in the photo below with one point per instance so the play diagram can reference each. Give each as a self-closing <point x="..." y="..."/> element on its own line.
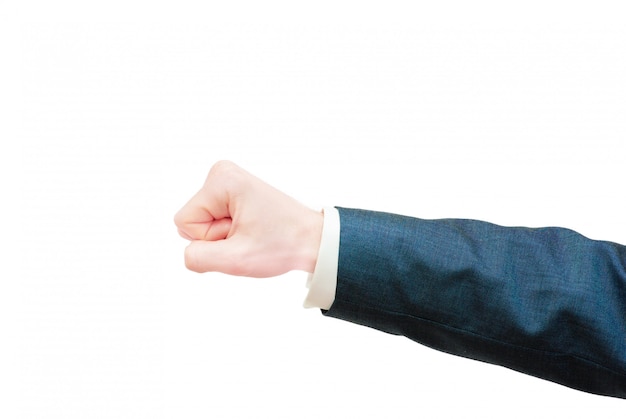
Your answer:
<point x="311" y="239"/>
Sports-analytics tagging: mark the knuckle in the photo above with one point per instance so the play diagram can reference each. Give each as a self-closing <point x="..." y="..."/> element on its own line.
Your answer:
<point x="221" y="167"/>
<point x="192" y="261"/>
<point x="225" y="177"/>
<point x="179" y="219"/>
<point x="238" y="268"/>
<point x="240" y="263"/>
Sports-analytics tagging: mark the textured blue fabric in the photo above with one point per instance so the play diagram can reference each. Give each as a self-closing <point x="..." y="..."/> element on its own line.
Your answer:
<point x="547" y="302"/>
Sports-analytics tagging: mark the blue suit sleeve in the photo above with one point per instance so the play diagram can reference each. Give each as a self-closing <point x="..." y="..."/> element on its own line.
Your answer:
<point x="547" y="302"/>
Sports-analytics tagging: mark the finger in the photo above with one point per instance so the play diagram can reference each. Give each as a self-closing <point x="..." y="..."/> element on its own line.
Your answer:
<point x="184" y="235"/>
<point x="218" y="229"/>
<point x="214" y="230"/>
<point x="216" y="256"/>
<point x="195" y="219"/>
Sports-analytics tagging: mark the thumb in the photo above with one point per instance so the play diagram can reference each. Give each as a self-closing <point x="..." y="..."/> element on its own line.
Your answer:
<point x="213" y="256"/>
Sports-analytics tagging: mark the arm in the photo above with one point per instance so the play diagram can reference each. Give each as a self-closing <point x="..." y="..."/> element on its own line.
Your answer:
<point x="546" y="302"/>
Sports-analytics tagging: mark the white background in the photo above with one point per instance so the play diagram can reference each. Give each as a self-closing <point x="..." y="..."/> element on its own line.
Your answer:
<point x="511" y="114"/>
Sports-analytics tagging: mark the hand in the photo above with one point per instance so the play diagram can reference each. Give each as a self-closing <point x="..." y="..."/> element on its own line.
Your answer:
<point x="239" y="225"/>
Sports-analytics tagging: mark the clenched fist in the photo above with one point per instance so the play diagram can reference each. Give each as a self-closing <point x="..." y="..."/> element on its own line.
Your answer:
<point x="240" y="225"/>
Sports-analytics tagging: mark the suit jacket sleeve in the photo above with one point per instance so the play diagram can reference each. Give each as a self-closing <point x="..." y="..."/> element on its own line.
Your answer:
<point x="547" y="302"/>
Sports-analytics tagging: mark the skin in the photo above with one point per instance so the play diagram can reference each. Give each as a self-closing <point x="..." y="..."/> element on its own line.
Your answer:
<point x="239" y="225"/>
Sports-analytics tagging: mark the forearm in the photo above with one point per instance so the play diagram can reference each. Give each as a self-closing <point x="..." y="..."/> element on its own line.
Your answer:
<point x="547" y="302"/>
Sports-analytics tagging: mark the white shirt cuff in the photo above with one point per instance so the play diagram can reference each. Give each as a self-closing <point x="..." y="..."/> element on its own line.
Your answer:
<point x="322" y="283"/>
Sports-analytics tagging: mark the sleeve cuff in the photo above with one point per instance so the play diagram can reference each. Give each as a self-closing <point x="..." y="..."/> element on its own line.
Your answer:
<point x="322" y="283"/>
